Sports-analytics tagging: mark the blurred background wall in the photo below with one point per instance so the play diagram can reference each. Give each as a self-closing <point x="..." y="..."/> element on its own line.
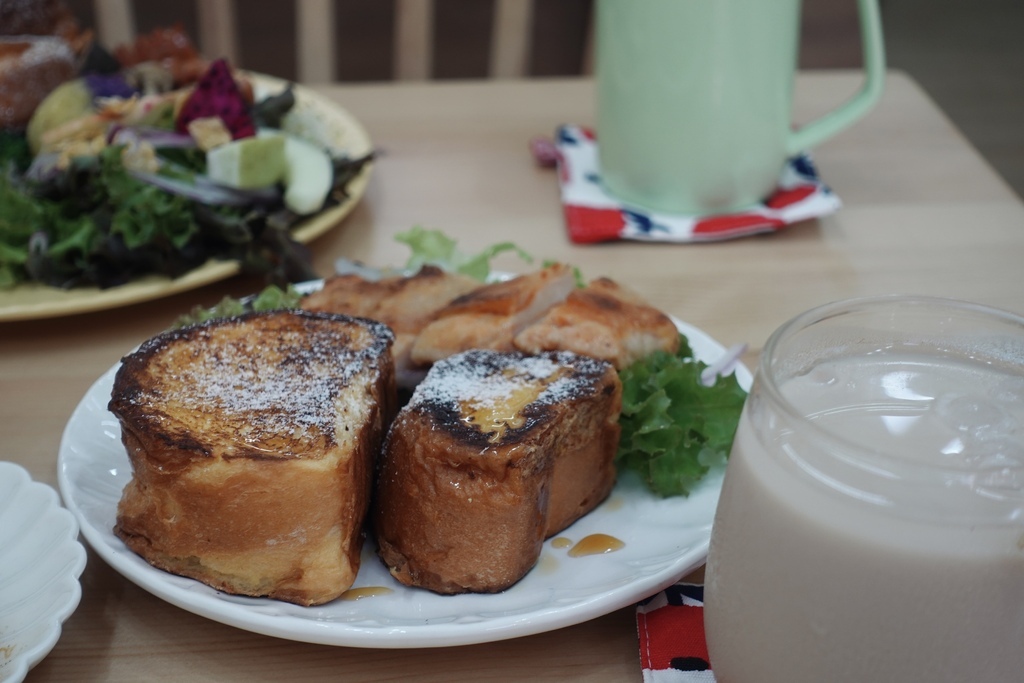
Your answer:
<point x="968" y="55"/>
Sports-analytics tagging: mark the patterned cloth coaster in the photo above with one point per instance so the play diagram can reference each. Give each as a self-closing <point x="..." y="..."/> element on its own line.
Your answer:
<point x="671" y="630"/>
<point x="592" y="215"/>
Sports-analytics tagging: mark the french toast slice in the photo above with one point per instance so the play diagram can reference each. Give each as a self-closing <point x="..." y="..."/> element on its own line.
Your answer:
<point x="252" y="442"/>
<point x="491" y="316"/>
<point x="494" y="453"/>
<point x="602" y="320"/>
<point x="406" y="304"/>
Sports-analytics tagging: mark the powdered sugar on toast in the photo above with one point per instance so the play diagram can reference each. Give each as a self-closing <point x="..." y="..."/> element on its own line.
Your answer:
<point x="485" y="378"/>
<point x="256" y="392"/>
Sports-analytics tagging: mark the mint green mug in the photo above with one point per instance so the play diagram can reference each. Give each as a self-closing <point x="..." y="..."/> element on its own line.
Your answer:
<point x="694" y="99"/>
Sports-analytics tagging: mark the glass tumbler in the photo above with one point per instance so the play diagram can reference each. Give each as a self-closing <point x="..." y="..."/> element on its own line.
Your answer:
<point x="871" y="521"/>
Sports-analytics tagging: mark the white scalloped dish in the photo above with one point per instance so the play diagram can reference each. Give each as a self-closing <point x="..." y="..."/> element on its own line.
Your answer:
<point x="664" y="539"/>
<point x="40" y="562"/>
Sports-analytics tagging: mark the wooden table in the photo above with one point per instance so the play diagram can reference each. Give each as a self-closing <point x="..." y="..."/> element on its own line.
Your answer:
<point x="923" y="214"/>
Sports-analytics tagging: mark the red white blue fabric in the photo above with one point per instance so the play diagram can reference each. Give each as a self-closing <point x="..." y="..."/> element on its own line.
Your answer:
<point x="592" y="215"/>
<point x="670" y="626"/>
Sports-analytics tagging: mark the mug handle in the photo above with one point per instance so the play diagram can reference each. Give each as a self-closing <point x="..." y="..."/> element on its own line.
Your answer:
<point x="816" y="131"/>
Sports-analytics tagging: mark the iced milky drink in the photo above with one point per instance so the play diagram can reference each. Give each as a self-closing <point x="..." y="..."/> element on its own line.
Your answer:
<point x="873" y="529"/>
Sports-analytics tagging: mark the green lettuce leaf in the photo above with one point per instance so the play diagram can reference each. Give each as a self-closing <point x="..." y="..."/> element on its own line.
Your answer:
<point x="14" y="151"/>
<point x="143" y="213"/>
<point x="271" y="298"/>
<point x="20" y="217"/>
<point x="433" y="247"/>
<point x="673" y="427"/>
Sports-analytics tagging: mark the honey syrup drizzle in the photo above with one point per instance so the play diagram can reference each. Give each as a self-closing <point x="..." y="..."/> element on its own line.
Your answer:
<point x="365" y="592"/>
<point x="596" y="544"/>
<point x="496" y="417"/>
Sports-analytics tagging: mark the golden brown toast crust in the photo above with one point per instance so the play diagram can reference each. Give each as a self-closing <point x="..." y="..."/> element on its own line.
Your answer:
<point x="252" y="443"/>
<point x="458" y="508"/>
<point x="171" y="387"/>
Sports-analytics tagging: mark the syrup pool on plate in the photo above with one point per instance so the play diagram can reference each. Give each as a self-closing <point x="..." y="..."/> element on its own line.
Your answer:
<point x="871" y="525"/>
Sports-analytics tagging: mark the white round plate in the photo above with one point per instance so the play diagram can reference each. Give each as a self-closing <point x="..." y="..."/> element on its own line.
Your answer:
<point x="40" y="562"/>
<point x="664" y="540"/>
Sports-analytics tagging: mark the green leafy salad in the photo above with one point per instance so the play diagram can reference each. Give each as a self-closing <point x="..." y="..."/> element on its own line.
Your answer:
<point x="679" y="415"/>
<point x="108" y="183"/>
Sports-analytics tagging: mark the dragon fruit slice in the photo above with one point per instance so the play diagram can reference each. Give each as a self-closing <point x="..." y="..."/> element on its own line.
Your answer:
<point x="216" y="94"/>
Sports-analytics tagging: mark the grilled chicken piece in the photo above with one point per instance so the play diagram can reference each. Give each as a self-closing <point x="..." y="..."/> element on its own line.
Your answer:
<point x="602" y="320"/>
<point x="349" y="295"/>
<point x="490" y="317"/>
<point x="405" y="304"/>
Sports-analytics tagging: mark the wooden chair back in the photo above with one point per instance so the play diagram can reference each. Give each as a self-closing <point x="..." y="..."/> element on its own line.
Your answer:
<point x="315" y="21"/>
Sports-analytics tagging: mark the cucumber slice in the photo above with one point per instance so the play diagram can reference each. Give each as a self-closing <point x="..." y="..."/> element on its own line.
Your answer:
<point x="308" y="176"/>
<point x="249" y="162"/>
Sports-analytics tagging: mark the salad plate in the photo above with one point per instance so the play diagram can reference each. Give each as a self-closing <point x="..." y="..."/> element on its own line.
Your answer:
<point x="314" y="117"/>
<point x="40" y="562"/>
<point x="664" y="538"/>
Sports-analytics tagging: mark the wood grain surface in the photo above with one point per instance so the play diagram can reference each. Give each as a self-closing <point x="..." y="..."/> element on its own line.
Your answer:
<point x="922" y="214"/>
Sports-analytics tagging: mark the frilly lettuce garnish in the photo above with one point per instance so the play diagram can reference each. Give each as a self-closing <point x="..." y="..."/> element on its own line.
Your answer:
<point x="433" y="247"/>
<point x="674" y="427"/>
<point x="271" y="298"/>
